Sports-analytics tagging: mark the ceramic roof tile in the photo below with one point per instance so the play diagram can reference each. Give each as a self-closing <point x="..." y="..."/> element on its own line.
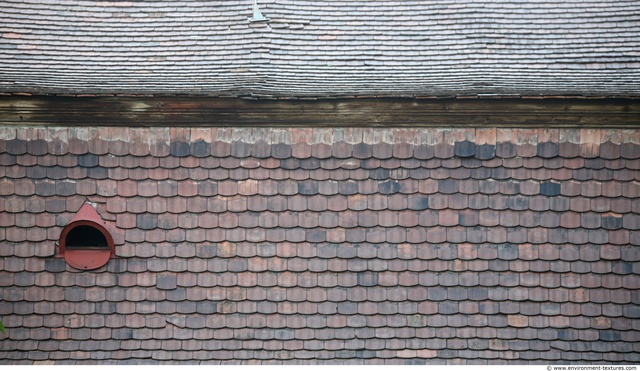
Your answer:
<point x="354" y="247"/>
<point x="293" y="27"/>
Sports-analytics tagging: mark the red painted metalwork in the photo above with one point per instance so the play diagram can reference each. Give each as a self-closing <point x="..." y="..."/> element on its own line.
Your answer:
<point x="93" y="253"/>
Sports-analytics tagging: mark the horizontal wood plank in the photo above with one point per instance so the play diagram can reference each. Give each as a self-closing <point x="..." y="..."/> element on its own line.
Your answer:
<point x="370" y="112"/>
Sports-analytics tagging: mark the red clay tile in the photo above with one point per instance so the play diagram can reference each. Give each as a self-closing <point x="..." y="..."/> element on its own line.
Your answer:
<point x="517" y="235"/>
<point x="541" y="174"/>
<point x="321" y="150"/>
<point x="530" y="219"/>
<point x="533" y="163"/>
<point x="539" y="203"/>
<point x="537" y="235"/>
<point x="428" y="186"/>
<point x="443" y="150"/>
<point x="281" y="150"/>
<point x="228" y="188"/>
<point x="609" y="150"/>
<point x="260" y="149"/>
<point x="554" y="164"/>
<point x="376" y="202"/>
<point x="458" y="201"/>
<point x="509" y="218"/>
<point x="407" y="219"/>
<point x="134" y="174"/>
<point x="387" y="219"/>
<point x="548" y="149"/>
<point x="505" y="146"/>
<point x="624" y="175"/>
<point x="234" y="174"/>
<point x="240" y="149"/>
<point x="220" y="149"/>
<point x="578" y="236"/>
<point x="384" y="218"/>
<point x="617" y="164"/>
<point x="611" y="189"/>
<point x="591" y="189"/>
<point x="248" y="187"/>
<point x="341" y="150"/>
<point x="423" y="152"/>
<point x="550" y="220"/>
<point x="149" y="162"/>
<point x="7" y="187"/>
<point x="509" y="163"/>
<point x="226" y="164"/>
<point x="630" y="150"/>
<point x="631" y="189"/>
<point x="396" y="235"/>
<point x="469" y="186"/>
<point x="478" y="202"/>
<point x="590" y="143"/>
<point x="382" y="150"/>
<point x="590" y="220"/>
<point x="362" y="151"/>
<point x="301" y="150"/>
<point x="402" y="150"/>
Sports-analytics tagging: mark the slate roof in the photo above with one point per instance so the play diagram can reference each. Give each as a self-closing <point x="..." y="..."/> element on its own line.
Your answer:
<point x="324" y="245"/>
<point x="329" y="48"/>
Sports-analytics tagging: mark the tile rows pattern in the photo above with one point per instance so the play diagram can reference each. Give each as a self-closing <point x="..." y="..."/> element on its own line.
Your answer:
<point x="406" y="246"/>
<point x="321" y="48"/>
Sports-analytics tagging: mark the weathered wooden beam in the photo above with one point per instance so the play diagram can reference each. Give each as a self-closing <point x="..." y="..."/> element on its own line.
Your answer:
<point x="203" y="111"/>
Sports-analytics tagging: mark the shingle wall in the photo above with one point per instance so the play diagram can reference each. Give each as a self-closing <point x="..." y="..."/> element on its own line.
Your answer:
<point x="324" y="245"/>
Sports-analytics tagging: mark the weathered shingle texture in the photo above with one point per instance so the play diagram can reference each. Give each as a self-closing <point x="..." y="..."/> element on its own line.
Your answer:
<point x="324" y="245"/>
<point x="321" y="48"/>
